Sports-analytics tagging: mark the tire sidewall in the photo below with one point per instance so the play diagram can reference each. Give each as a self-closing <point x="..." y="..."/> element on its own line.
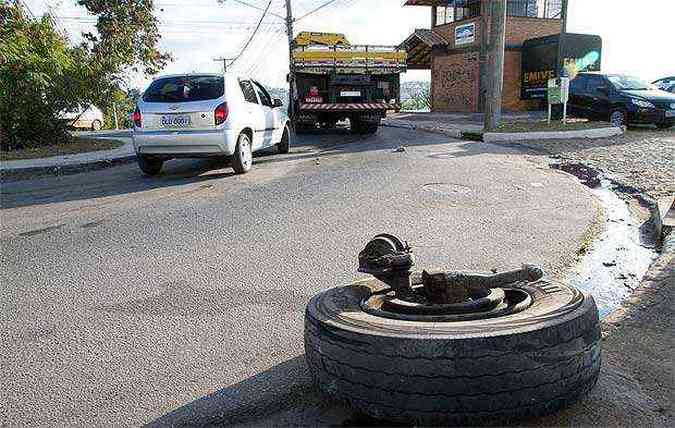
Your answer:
<point x="285" y="143"/>
<point x="239" y="166"/>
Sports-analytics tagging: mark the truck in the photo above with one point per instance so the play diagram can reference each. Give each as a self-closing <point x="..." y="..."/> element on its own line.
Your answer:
<point x="332" y="80"/>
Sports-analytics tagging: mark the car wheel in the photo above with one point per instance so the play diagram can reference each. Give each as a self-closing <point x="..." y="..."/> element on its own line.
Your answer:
<point x="455" y="372"/>
<point x="243" y="155"/>
<point x="665" y="125"/>
<point x="96" y="125"/>
<point x="618" y="118"/>
<point x="284" y="145"/>
<point x="150" y="166"/>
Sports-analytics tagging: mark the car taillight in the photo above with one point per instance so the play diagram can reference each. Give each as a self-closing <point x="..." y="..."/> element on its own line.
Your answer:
<point x="221" y="113"/>
<point x="136" y="117"/>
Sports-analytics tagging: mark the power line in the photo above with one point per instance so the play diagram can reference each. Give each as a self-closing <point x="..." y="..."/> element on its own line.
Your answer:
<point x="243" y="3"/>
<point x="248" y="42"/>
<point x="329" y="2"/>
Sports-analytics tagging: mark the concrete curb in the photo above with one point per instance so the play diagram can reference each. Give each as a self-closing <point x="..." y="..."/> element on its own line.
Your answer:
<point x="453" y="133"/>
<point x="660" y="271"/>
<point x="67" y="169"/>
<point x="495" y="137"/>
<point x="68" y="164"/>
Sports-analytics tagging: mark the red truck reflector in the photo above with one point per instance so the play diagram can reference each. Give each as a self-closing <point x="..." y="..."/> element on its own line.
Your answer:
<point x="350" y="106"/>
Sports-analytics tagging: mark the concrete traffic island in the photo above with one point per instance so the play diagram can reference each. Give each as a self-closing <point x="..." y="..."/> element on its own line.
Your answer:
<point x="469" y="126"/>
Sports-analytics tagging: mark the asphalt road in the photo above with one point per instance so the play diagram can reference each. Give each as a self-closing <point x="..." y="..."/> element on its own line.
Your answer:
<point x="179" y="299"/>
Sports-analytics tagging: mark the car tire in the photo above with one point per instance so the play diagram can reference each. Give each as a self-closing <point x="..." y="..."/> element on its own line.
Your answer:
<point x="150" y="166"/>
<point x="243" y="155"/>
<point x="284" y="145"/>
<point x="465" y="372"/>
<point x="618" y="118"/>
<point x="665" y="125"/>
<point x="96" y="125"/>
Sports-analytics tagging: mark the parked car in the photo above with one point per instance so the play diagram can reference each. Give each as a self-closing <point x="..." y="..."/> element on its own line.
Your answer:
<point x="621" y="100"/>
<point x="89" y="118"/>
<point x="207" y="115"/>
<point x="666" y="84"/>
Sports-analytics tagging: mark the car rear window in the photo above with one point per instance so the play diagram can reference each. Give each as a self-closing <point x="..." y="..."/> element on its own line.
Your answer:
<point x="184" y="89"/>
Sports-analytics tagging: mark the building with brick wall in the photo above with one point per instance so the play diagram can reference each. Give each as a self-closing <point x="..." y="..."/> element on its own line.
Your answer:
<point x="455" y="49"/>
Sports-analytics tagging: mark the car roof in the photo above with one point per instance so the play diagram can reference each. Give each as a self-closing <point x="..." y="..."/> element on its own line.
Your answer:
<point x="664" y="78"/>
<point x="227" y="76"/>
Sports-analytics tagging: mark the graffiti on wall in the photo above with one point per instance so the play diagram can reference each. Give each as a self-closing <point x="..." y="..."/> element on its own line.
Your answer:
<point x="455" y="83"/>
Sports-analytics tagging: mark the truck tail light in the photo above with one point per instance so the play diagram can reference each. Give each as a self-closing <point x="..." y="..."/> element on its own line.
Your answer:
<point x="136" y="117"/>
<point x="221" y="113"/>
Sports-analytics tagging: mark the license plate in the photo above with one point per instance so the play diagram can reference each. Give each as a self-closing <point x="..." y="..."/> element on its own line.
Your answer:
<point x="176" y="121"/>
<point x="350" y="94"/>
<point x="670" y="113"/>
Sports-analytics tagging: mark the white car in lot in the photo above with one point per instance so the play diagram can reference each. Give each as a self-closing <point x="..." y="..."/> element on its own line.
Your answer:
<point x="88" y="118"/>
<point x="207" y="115"/>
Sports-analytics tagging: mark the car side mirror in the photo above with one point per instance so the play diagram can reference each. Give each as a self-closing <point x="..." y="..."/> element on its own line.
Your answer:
<point x="277" y="103"/>
<point x="604" y="90"/>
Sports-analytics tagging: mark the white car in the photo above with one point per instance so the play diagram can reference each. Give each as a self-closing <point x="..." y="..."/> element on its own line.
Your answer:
<point x="207" y="115"/>
<point x="89" y="118"/>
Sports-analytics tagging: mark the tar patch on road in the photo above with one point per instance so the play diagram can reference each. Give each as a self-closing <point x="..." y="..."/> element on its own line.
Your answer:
<point x="39" y="231"/>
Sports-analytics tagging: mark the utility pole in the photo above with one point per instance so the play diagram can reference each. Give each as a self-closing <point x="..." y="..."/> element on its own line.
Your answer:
<point x="563" y="29"/>
<point x="483" y="54"/>
<point x="224" y="61"/>
<point x="291" y="76"/>
<point x="495" y="71"/>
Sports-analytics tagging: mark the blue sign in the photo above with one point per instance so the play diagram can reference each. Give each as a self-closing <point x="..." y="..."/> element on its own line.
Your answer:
<point x="465" y="34"/>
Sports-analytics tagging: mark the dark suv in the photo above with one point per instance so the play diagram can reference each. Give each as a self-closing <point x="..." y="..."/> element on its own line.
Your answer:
<point x="621" y="100"/>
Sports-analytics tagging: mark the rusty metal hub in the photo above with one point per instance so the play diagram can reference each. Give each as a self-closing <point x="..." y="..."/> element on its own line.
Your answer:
<point x="438" y="296"/>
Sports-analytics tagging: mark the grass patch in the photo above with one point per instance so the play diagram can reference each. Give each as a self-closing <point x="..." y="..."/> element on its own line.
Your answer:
<point x="543" y="126"/>
<point x="78" y="145"/>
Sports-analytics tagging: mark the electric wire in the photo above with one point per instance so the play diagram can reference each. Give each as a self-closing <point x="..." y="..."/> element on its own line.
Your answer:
<point x="248" y="42"/>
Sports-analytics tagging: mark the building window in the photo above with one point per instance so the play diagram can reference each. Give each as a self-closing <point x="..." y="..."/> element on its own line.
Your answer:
<point x="549" y="9"/>
<point x="457" y="10"/>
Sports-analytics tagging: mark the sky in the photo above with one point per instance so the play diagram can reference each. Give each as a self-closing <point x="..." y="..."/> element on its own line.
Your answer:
<point x="637" y="36"/>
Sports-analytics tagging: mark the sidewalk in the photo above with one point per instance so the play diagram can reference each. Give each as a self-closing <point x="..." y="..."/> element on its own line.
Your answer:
<point x="71" y="163"/>
<point x="452" y="123"/>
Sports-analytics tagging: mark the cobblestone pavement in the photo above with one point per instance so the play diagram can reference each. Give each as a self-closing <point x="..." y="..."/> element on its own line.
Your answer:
<point x="643" y="158"/>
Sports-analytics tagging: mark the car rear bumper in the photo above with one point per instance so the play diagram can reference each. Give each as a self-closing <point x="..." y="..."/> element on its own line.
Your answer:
<point x="184" y="143"/>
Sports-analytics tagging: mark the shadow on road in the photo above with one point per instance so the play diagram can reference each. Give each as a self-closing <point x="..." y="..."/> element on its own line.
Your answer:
<point x="283" y="387"/>
<point x="127" y="179"/>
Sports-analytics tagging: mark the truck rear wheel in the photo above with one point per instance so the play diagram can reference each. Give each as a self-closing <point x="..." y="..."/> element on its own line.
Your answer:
<point x="355" y="125"/>
<point x="369" y="127"/>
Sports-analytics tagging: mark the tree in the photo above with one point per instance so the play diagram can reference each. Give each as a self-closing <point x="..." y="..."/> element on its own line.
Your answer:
<point x="42" y="76"/>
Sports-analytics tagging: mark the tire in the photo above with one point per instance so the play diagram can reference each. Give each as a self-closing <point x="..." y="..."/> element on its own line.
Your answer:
<point x="243" y="155"/>
<point x="369" y="128"/>
<point x="149" y="166"/>
<point x="466" y="372"/>
<point x="664" y="125"/>
<point x="284" y="145"/>
<point x="618" y="117"/>
<point x="96" y="125"/>
<point x="355" y="125"/>
<point x="302" y="129"/>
